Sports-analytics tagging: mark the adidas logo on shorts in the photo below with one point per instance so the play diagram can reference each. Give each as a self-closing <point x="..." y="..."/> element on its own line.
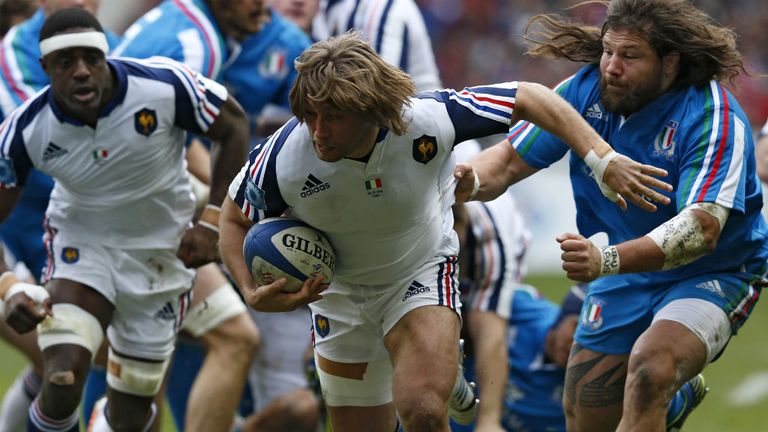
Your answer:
<point x="313" y="185"/>
<point x="415" y="289"/>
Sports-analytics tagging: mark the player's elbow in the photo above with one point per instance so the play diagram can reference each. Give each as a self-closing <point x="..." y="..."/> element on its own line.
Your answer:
<point x="711" y="229"/>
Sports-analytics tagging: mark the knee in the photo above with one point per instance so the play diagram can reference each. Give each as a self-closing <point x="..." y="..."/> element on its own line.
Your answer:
<point x="651" y="374"/>
<point x="424" y="410"/>
<point x="236" y="338"/>
<point x="302" y="411"/>
<point x="66" y="368"/>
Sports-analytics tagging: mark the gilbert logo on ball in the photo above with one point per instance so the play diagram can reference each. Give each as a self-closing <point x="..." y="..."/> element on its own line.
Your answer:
<point x="289" y="248"/>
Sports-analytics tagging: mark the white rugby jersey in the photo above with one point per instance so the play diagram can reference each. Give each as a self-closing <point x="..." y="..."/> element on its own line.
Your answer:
<point x="386" y="217"/>
<point x="395" y="29"/>
<point x="124" y="183"/>
<point x="497" y="241"/>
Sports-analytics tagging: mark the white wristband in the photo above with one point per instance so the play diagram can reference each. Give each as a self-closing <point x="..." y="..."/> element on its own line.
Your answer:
<point x="475" y="188"/>
<point x="210" y="226"/>
<point x="35" y="292"/>
<point x="609" y="261"/>
<point x="598" y="166"/>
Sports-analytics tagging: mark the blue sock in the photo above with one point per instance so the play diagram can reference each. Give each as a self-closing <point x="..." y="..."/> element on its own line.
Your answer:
<point x="95" y="389"/>
<point x="187" y="360"/>
<point x="38" y="422"/>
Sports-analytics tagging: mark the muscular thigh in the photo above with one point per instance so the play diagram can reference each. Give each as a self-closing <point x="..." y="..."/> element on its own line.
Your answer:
<point x="429" y="332"/>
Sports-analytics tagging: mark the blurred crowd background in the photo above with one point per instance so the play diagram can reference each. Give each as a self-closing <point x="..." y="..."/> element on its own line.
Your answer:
<point x="480" y="41"/>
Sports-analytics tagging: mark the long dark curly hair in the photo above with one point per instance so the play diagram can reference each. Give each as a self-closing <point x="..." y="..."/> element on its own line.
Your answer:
<point x="707" y="49"/>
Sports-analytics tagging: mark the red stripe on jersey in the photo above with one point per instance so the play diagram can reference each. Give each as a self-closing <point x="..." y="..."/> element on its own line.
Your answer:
<point x="9" y="77"/>
<point x="208" y="41"/>
<point x="517" y="132"/>
<point x="721" y="149"/>
<point x="488" y="99"/>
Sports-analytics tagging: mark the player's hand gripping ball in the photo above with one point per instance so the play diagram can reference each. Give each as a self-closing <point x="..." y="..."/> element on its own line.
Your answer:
<point x="281" y="247"/>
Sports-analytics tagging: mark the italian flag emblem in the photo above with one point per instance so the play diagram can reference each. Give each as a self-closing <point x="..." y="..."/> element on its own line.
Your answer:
<point x="593" y="317"/>
<point x="373" y="184"/>
<point x="100" y="155"/>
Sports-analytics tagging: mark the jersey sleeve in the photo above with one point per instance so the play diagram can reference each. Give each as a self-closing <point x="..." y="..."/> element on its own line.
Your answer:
<point x="539" y="148"/>
<point x="15" y="163"/>
<point x="20" y="75"/>
<point x="180" y="31"/>
<point x="712" y="164"/>
<point x="255" y="189"/>
<point x="478" y="111"/>
<point x="198" y="99"/>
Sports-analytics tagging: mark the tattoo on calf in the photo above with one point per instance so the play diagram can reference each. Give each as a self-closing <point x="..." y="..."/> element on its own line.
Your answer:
<point x="596" y="393"/>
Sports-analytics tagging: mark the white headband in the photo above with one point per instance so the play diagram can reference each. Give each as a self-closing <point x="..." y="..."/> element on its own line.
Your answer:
<point x="91" y="39"/>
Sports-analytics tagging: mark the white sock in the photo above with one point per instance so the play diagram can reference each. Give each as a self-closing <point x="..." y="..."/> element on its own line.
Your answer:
<point x="16" y="402"/>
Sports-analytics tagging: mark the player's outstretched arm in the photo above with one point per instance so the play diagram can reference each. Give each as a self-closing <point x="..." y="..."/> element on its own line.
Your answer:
<point x="690" y="235"/>
<point x="230" y="135"/>
<point x="616" y="174"/>
<point x="267" y="298"/>
<point x="492" y="171"/>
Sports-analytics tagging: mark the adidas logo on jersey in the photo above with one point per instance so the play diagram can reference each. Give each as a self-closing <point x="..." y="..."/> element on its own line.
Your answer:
<point x="53" y="151"/>
<point x="313" y="185"/>
<point x="594" y="112"/>
<point x="166" y="313"/>
<point x="415" y="289"/>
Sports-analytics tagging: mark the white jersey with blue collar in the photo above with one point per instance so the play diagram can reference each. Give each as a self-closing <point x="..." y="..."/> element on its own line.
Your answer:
<point x="124" y="183"/>
<point x="394" y="28"/>
<point x="388" y="216"/>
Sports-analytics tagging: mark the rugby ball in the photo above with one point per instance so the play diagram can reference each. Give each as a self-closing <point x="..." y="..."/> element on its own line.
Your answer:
<point x="282" y="247"/>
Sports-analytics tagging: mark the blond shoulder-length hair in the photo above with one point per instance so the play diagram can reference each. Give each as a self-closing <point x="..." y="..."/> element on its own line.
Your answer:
<point x="345" y="73"/>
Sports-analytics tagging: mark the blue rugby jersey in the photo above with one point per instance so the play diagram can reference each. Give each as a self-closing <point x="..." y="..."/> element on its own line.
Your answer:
<point x="700" y="135"/>
<point x="183" y="30"/>
<point x="262" y="72"/>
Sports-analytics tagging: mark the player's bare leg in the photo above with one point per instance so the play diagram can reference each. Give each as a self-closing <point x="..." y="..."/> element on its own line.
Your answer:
<point x="594" y="390"/>
<point x="422" y="346"/>
<point x="230" y="346"/>
<point x="297" y="411"/>
<point x="66" y="365"/>
<point x="343" y="418"/>
<point x="664" y="357"/>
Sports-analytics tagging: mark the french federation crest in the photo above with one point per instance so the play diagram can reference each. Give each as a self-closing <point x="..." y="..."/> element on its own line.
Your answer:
<point x="592" y="318"/>
<point x="70" y="255"/>
<point x="424" y="149"/>
<point x="145" y="121"/>
<point x="322" y="326"/>
<point x="664" y="145"/>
